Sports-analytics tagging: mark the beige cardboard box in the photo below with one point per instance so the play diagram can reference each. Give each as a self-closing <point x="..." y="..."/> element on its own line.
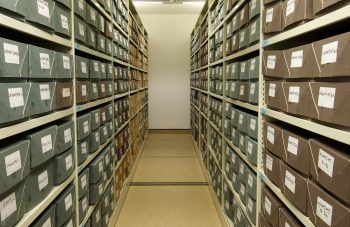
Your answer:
<point x="272" y="19"/>
<point x="296" y="12"/>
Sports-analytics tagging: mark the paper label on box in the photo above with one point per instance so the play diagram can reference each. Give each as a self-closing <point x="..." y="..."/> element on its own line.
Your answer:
<point x="250" y="147"/>
<point x="325" y="162"/>
<point x="242" y="190"/>
<point x="103" y="116"/>
<point x="271" y="134"/>
<point x="68" y="202"/>
<point x="83" y="90"/>
<point x="65" y="92"/>
<point x="103" y="68"/>
<point x="94" y="88"/>
<point x="233" y="68"/>
<point x="93" y="15"/>
<point x="252" y="65"/>
<point x="43" y="8"/>
<point x="46" y="143"/>
<point x="290" y="7"/>
<point x="250" y="205"/>
<point x="64" y="22"/>
<point x="241" y="169"/>
<point x="13" y="163"/>
<point x="100" y="189"/>
<point x="329" y="53"/>
<point x="103" y="88"/>
<point x="44" y="92"/>
<point x="66" y="62"/>
<point x="252" y="124"/>
<point x="289" y="181"/>
<point x="81" y="29"/>
<point x="242" y="36"/>
<point x="47" y="223"/>
<point x="227" y="167"/>
<point x="97" y="137"/>
<point x="267" y="205"/>
<point x="239" y="215"/>
<point x="272" y="90"/>
<point x="227" y="205"/>
<point x="44" y="61"/>
<point x="102" y="43"/>
<point x="240" y="121"/>
<point x="98" y="216"/>
<point x="243" y="67"/>
<point x="241" y="90"/>
<point x="286" y="224"/>
<point x="269" y="15"/>
<point x="293" y="144"/>
<point x="81" y="4"/>
<point x="253" y="29"/>
<point x="324" y="211"/>
<point x="83" y="148"/>
<point x="69" y="162"/>
<point x="43" y="180"/>
<point x="269" y="162"/>
<point x="253" y="5"/>
<point x="225" y="125"/>
<point x="84" y="204"/>
<point x="96" y="68"/>
<point x="97" y="118"/>
<point x="11" y="53"/>
<point x="8" y="206"/>
<point x="92" y="34"/>
<point x="105" y="131"/>
<point x="83" y="67"/>
<point x="234" y="40"/>
<point x="294" y="93"/>
<point x="252" y="88"/>
<point x="241" y="140"/>
<point x="83" y="181"/>
<point x="233" y="159"/>
<point x="67" y="135"/>
<point x="326" y="97"/>
<point x="100" y="167"/>
<point x="271" y="61"/>
<point x="16" y="97"/>
<point x="297" y="59"/>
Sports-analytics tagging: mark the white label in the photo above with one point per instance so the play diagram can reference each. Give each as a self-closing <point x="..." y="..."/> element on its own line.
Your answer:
<point x="241" y="169"/>
<point x="252" y="124"/>
<point x="252" y="88"/>
<point x="83" y="67"/>
<point x="81" y="29"/>
<point x="250" y="205"/>
<point x="46" y="143"/>
<point x="86" y="126"/>
<point x="98" y="216"/>
<point x="103" y="68"/>
<point x="252" y="65"/>
<point x="65" y="92"/>
<point x="96" y="68"/>
<point x="326" y="97"/>
<point x="242" y="190"/>
<point x="44" y="61"/>
<point x="83" y="148"/>
<point x="271" y="134"/>
<point x="241" y="141"/>
<point x="105" y="131"/>
<point x="325" y="162"/>
<point x="93" y="15"/>
<point x="67" y="135"/>
<point x="69" y="162"/>
<point x="83" y="181"/>
<point x="43" y="8"/>
<point x="239" y="215"/>
<point x="250" y="147"/>
<point x="253" y="6"/>
<point x="242" y="36"/>
<point x="43" y="180"/>
<point x="243" y="67"/>
<point x="267" y="205"/>
<point x="13" y="163"/>
<point x="16" y="97"/>
<point x="94" y="88"/>
<point x="271" y="61"/>
<point x="103" y="88"/>
<point x="241" y="90"/>
<point x="324" y="211"/>
<point x="269" y="162"/>
<point x="102" y="43"/>
<point x="97" y="137"/>
<point x="84" y="204"/>
<point x="286" y="224"/>
<point x="272" y="90"/>
<point x="329" y="53"/>
<point x="100" y="189"/>
<point x="44" y="91"/>
<point x="297" y="59"/>
<point x="269" y="15"/>
<point x="290" y="7"/>
<point x="11" y="53"/>
<point x="64" y="22"/>
<point x="47" y="223"/>
<point x="83" y="90"/>
<point x="289" y="181"/>
<point x="293" y="144"/>
<point x="240" y="121"/>
<point x="253" y="29"/>
<point x="250" y="181"/>
<point x="294" y="93"/>
<point x="68" y="201"/>
<point x="66" y="62"/>
<point x="81" y="4"/>
<point x="8" y="206"/>
<point x="97" y="118"/>
<point x="100" y="167"/>
<point x="103" y="116"/>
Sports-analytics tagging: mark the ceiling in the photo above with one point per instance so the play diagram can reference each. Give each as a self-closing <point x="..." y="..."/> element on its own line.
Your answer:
<point x="165" y="7"/>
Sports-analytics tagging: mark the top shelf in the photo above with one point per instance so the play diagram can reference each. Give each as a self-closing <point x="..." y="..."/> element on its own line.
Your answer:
<point x="102" y="10"/>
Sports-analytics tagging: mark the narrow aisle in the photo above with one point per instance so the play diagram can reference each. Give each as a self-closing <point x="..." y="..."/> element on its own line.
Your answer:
<point x="169" y="188"/>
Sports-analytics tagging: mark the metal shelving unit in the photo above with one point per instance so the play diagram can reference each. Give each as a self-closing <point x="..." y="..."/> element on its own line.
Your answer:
<point x="93" y="104"/>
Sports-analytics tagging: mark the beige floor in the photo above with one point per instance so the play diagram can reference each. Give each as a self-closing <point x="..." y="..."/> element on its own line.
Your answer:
<point x="169" y="158"/>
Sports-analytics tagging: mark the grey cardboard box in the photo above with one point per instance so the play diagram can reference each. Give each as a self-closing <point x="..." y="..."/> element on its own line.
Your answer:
<point x="42" y="98"/>
<point x="95" y="119"/>
<point x="244" y="70"/>
<point x="243" y="121"/>
<point x="65" y="205"/>
<point x="273" y="138"/>
<point x="83" y="183"/>
<point x="40" y="12"/>
<point x="47" y="217"/>
<point x="235" y="70"/>
<point x="101" y="42"/>
<point x="16" y="164"/>
<point x="94" y="141"/>
<point x="109" y="88"/>
<point x="17" y="195"/>
<point x="66" y="3"/>
<point x="83" y="207"/>
<point x="79" y="29"/>
<point x="65" y="137"/>
<point x="91" y="16"/>
<point x="42" y="145"/>
<point x="227" y="126"/>
<point x="227" y="109"/>
<point x="274" y="64"/>
<point x="234" y="90"/>
<point x="95" y="191"/>
<point x="229" y="71"/>
<point x="254" y="9"/>
<point x="242" y="142"/>
<point x="103" y="133"/>
<point x="96" y="217"/>
<point x="270" y="206"/>
<point x="244" y="16"/>
<point x="106" y="153"/>
<point x="83" y="150"/>
<point x="254" y="28"/>
<point x="101" y="25"/>
<point x="234" y="42"/>
<point x="105" y="202"/>
<point x="13" y="59"/>
<point x="296" y="12"/>
<point x="251" y="209"/>
<point x="252" y="150"/>
<point x="235" y="136"/>
<point x="41" y="62"/>
<point x="254" y="68"/>
<point x="91" y="36"/>
<point x="82" y="88"/>
<point x="103" y="74"/>
<point x="240" y="219"/>
<point x="63" y="68"/>
<point x="103" y="115"/>
<point x="64" y="166"/>
<point x="242" y="172"/>
<point x="80" y="8"/>
<point x="81" y="67"/>
<point x="253" y="126"/>
<point x="251" y="184"/>
<point x="109" y="48"/>
<point x="272" y="168"/>
<point x="272" y="19"/>
<point x="263" y="221"/>
<point x="254" y="92"/>
<point x="235" y="23"/>
<point x="61" y="21"/>
<point x="93" y="91"/>
<point x="95" y="70"/>
<point x="63" y="94"/>
<point x="96" y="169"/>
<point x="70" y="222"/>
<point x="16" y="8"/>
<point x="83" y="126"/>
<point x="109" y="112"/>
<point x="109" y="71"/>
<point x="244" y="37"/>
<point x="40" y="183"/>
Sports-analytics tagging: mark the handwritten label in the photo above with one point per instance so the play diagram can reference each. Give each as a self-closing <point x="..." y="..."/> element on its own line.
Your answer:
<point x="83" y="67"/>
<point x="250" y="181"/>
<point x="267" y="205"/>
<point x="290" y="7"/>
<point x="83" y="148"/>
<point x="43" y="180"/>
<point x="252" y="88"/>
<point x="44" y="61"/>
<point x="329" y="53"/>
<point x="271" y="61"/>
<point x="252" y="64"/>
<point x="324" y="211"/>
<point x="269" y="162"/>
<point x="46" y="143"/>
<point x="69" y="162"/>
<point x="325" y="162"/>
<point x="16" y="97"/>
<point x="8" y="206"/>
<point x="66" y="62"/>
<point x="326" y="97"/>
<point x="68" y="202"/>
<point x="297" y="59"/>
<point x="253" y="29"/>
<point x="86" y="126"/>
<point x="272" y="90"/>
<point x="43" y="8"/>
<point x="13" y="163"/>
<point x="44" y="91"/>
<point x="11" y="53"/>
<point x="289" y="181"/>
<point x="269" y="15"/>
<point x="250" y="147"/>
<point x="293" y="144"/>
<point x="64" y="22"/>
<point x="294" y="93"/>
<point x="67" y="135"/>
<point x="252" y="124"/>
<point x="271" y="134"/>
<point x="83" y="181"/>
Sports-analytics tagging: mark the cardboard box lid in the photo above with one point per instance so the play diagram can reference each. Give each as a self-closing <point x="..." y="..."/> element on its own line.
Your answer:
<point x="270" y="206"/>
<point x="272" y="168"/>
<point x="288" y="219"/>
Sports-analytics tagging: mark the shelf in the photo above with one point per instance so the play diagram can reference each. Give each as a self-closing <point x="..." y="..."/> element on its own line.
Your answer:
<point x="11" y="23"/>
<point x="214" y="156"/>
<point x="241" y="155"/>
<point x="138" y="47"/>
<point x="216" y="96"/>
<point x="195" y="107"/>
<point x="121" y="128"/>
<point x="143" y="106"/>
<point x="200" y="90"/>
<point x="93" y="155"/>
<point x="200" y="68"/>
<point x="90" y="51"/>
<point x="120" y="62"/>
<point x="31" y="216"/>
<point x="305" y="220"/>
<point x="102" y="10"/>
<point x="121" y="95"/>
<point x="238" y="200"/>
<point x="204" y="115"/>
<point x="134" y="67"/>
<point x="245" y="105"/>
<point x="316" y="24"/>
<point x="11" y="130"/>
<point x="243" y="52"/>
<point x="144" y="88"/>
<point x="216" y="128"/>
<point x="217" y="62"/>
<point x="335" y="134"/>
<point x="93" y="104"/>
<point x="120" y="28"/>
<point x="133" y="92"/>
<point x="143" y="124"/>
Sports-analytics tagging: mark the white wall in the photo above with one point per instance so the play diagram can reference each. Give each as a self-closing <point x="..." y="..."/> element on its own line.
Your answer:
<point x="169" y="69"/>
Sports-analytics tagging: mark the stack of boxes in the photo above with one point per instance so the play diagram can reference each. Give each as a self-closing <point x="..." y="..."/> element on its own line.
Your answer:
<point x="194" y="80"/>
<point x="216" y="176"/>
<point x="217" y="14"/>
<point x="121" y="80"/>
<point x="194" y="123"/>
<point x="215" y="112"/>
<point x="121" y="112"/>
<point x="120" y="46"/>
<point x="120" y="14"/>
<point x="204" y="100"/>
<point x="216" y="80"/>
<point x="136" y="80"/>
<point x="121" y="144"/>
<point x="144" y="82"/>
<point x="195" y="97"/>
<point x="203" y="82"/>
<point x="217" y="46"/>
